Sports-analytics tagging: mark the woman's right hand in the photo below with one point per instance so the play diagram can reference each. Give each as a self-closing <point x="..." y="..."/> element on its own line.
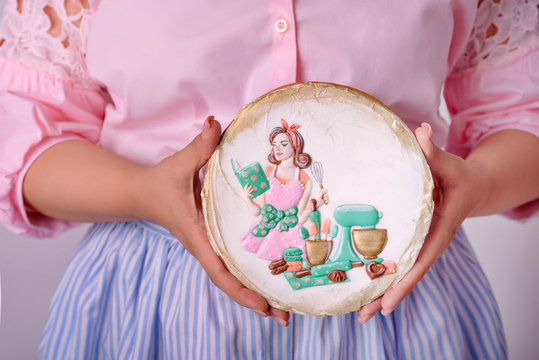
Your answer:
<point x="170" y="196"/>
<point x="75" y="180"/>
<point x="253" y="206"/>
<point x="248" y="192"/>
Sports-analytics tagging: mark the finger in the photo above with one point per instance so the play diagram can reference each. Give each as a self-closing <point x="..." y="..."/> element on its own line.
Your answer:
<point x="198" y="151"/>
<point x="225" y="281"/>
<point x="424" y="138"/>
<point x="436" y="242"/>
<point x="280" y="316"/>
<point x="199" y="246"/>
<point x="367" y="311"/>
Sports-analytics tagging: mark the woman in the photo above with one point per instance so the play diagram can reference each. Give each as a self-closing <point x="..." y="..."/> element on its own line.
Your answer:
<point x="289" y="191"/>
<point x="106" y="125"/>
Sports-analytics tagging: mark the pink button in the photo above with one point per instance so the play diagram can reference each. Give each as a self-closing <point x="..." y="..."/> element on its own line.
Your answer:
<point x="281" y="25"/>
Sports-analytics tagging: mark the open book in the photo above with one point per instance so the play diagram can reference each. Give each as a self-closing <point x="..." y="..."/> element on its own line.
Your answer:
<point x="252" y="174"/>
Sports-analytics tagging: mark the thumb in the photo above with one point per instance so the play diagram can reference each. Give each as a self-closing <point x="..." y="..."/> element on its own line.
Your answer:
<point x="200" y="149"/>
<point x="424" y="137"/>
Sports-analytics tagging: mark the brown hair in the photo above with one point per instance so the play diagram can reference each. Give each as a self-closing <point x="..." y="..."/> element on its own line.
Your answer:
<point x="301" y="159"/>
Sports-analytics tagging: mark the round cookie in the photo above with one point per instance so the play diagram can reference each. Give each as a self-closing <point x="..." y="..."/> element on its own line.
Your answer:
<point x="318" y="198"/>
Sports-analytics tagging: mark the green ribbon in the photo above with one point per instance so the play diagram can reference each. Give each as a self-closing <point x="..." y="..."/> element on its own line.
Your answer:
<point x="271" y="217"/>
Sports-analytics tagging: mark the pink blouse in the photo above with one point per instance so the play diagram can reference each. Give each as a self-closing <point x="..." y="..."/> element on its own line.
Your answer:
<point x="142" y="78"/>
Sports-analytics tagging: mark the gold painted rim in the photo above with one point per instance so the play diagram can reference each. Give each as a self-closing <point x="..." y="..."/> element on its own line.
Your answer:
<point x="404" y="133"/>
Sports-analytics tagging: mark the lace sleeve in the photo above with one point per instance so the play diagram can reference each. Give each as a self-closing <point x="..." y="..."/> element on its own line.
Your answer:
<point x="504" y="30"/>
<point x="46" y="96"/>
<point x="48" y="35"/>
<point x="494" y="86"/>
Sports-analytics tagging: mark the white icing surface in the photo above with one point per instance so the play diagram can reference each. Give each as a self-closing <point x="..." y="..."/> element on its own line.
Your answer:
<point x="364" y="162"/>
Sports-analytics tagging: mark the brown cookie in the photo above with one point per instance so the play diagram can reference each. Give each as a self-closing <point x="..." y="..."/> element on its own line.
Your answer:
<point x="279" y="270"/>
<point x="375" y="269"/>
<point x="303" y="273"/>
<point x="276" y="264"/>
<point x="337" y="276"/>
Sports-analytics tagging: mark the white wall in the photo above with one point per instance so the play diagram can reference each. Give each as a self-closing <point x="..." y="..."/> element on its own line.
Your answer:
<point x="30" y="269"/>
<point x="508" y="252"/>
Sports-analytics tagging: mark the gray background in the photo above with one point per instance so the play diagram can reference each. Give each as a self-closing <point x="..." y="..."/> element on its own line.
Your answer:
<point x="31" y="268"/>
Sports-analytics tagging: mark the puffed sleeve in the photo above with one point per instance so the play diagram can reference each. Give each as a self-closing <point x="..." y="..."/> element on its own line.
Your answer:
<point x="43" y="101"/>
<point x="494" y="85"/>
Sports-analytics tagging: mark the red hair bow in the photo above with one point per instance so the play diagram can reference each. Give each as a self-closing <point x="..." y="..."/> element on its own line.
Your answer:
<point x="290" y="131"/>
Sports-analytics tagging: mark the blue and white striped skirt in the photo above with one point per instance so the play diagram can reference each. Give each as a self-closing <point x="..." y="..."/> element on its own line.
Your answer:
<point x="132" y="291"/>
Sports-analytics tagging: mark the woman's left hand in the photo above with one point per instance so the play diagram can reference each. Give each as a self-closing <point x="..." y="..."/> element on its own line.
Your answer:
<point x="460" y="186"/>
<point x="322" y="197"/>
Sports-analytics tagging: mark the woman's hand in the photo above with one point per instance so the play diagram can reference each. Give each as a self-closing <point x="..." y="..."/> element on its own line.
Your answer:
<point x="248" y="191"/>
<point x="321" y="197"/>
<point x="501" y="172"/>
<point x="253" y="206"/>
<point x="77" y="181"/>
<point x="171" y="197"/>
<point x="460" y="187"/>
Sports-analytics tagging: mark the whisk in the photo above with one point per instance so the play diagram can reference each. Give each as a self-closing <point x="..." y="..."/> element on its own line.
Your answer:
<point x="317" y="170"/>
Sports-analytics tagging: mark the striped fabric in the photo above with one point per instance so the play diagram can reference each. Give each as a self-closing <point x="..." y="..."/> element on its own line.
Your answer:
<point x="131" y="291"/>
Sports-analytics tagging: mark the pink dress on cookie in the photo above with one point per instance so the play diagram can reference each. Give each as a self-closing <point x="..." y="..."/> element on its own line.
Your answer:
<point x="282" y="196"/>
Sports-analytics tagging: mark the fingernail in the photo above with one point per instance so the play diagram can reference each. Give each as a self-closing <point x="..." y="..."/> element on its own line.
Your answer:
<point x="428" y="127"/>
<point x="364" y="320"/>
<point x="386" y="312"/>
<point x="261" y="313"/>
<point x="281" y="322"/>
<point x="207" y="123"/>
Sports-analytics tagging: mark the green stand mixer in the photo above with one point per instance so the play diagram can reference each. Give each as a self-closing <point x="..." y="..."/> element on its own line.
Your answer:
<point x="348" y="216"/>
<point x="368" y="241"/>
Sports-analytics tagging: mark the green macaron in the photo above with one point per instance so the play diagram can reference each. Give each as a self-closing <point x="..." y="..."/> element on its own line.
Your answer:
<point x="292" y="254"/>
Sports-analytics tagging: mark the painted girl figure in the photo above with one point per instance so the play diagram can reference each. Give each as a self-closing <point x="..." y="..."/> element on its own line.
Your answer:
<point x="283" y="207"/>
